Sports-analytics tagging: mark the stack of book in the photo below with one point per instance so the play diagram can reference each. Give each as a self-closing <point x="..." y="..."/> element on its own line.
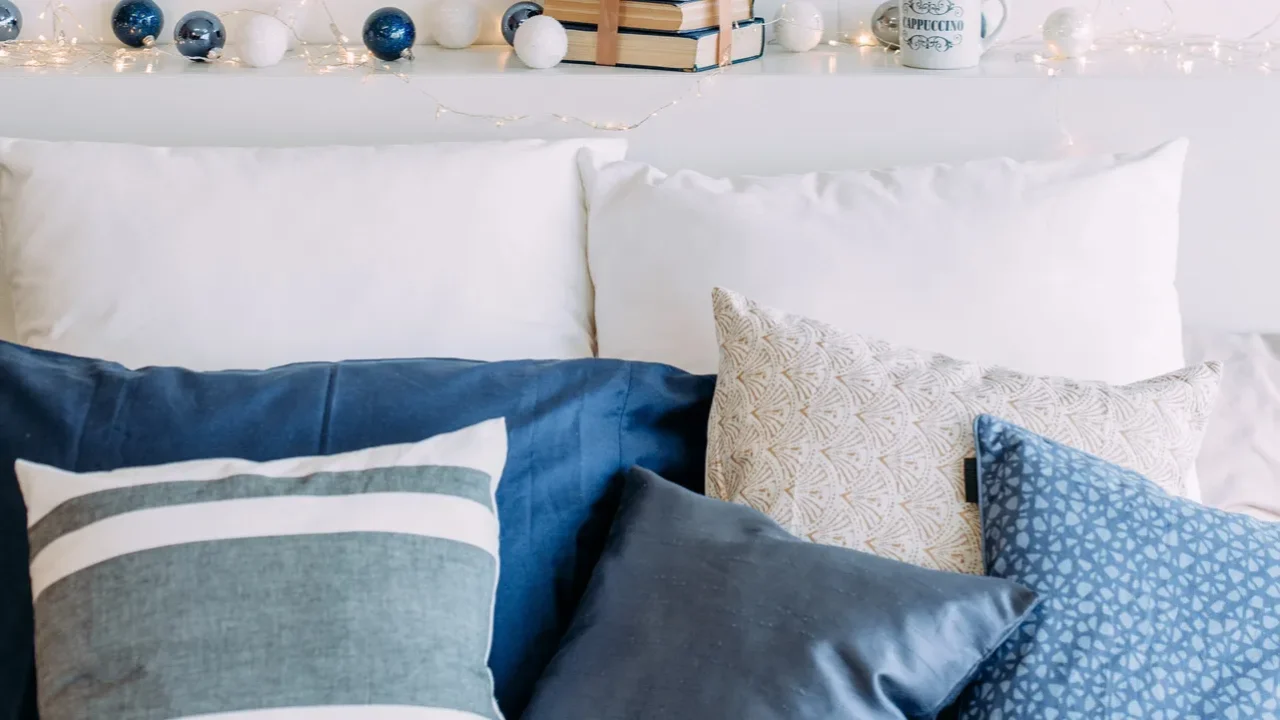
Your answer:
<point x="662" y="34"/>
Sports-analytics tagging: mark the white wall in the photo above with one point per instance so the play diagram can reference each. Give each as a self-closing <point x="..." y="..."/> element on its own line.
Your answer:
<point x="1227" y="17"/>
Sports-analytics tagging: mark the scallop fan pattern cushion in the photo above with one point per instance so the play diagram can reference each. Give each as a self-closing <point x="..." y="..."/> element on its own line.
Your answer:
<point x="850" y="441"/>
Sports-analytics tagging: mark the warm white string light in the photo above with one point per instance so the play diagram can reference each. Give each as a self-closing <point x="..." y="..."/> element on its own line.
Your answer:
<point x="65" y="50"/>
<point x="1186" y="51"/>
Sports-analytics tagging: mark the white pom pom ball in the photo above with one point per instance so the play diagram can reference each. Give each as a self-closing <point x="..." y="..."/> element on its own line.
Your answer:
<point x="799" y="27"/>
<point x="261" y="41"/>
<point x="454" y="24"/>
<point x="1068" y="33"/>
<point x="541" y="42"/>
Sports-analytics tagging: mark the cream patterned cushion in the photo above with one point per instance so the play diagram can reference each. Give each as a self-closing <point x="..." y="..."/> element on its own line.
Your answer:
<point x="849" y="441"/>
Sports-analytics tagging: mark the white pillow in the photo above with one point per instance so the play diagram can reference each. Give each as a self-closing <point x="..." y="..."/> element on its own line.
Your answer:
<point x="1239" y="463"/>
<point x="216" y="258"/>
<point x="1052" y="268"/>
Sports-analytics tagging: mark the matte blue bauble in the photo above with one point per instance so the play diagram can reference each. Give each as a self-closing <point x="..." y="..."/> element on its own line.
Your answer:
<point x="389" y="33"/>
<point x="10" y="21"/>
<point x="200" y="35"/>
<point x="133" y="21"/>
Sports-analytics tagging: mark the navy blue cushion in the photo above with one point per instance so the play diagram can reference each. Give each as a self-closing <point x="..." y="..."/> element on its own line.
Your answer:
<point x="574" y="427"/>
<point x="706" y="610"/>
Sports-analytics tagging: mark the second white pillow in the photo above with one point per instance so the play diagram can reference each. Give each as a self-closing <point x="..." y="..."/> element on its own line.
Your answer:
<point x="1055" y="268"/>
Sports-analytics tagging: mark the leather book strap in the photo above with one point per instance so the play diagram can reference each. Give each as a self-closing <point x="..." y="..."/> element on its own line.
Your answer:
<point x="724" y="43"/>
<point x="607" y="33"/>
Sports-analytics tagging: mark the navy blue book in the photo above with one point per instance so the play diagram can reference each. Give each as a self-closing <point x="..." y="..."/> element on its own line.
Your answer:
<point x="691" y="51"/>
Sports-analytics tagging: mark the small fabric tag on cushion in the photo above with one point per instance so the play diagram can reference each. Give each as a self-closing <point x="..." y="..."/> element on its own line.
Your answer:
<point x="971" y="480"/>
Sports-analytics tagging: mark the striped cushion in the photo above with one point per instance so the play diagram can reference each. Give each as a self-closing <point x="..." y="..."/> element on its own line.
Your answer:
<point x="358" y="585"/>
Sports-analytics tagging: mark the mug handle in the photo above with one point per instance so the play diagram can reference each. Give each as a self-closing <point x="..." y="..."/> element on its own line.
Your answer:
<point x="991" y="36"/>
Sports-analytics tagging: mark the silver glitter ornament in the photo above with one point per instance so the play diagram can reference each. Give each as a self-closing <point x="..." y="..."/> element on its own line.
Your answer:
<point x="1068" y="33"/>
<point x="10" y="21"/>
<point x="884" y="24"/>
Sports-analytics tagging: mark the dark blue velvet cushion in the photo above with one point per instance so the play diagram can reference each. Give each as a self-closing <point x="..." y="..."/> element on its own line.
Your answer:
<point x="706" y="610"/>
<point x="574" y="427"/>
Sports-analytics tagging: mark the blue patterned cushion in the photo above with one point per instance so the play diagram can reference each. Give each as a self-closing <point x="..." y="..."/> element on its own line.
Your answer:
<point x="1153" y="607"/>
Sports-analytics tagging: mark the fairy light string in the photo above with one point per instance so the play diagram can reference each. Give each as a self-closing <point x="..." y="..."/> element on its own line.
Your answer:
<point x="1186" y="52"/>
<point x="64" y="50"/>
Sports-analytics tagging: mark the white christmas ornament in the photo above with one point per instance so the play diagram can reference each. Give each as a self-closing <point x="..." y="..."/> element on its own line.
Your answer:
<point x="799" y="26"/>
<point x="261" y="41"/>
<point x="454" y="24"/>
<point x="1068" y="33"/>
<point x="541" y="42"/>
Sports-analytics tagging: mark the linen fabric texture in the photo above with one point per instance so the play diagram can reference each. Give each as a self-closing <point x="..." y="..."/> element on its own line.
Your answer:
<point x="1152" y="606"/>
<point x="573" y="428"/>
<point x="701" y="610"/>
<point x="362" y="581"/>
<point x="847" y="440"/>
<point x="219" y="258"/>
<point x="1075" y="259"/>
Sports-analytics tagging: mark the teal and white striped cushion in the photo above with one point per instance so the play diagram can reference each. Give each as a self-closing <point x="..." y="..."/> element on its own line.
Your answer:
<point x="349" y="586"/>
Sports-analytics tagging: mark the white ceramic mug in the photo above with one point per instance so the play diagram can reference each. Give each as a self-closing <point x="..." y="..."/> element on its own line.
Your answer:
<point x="945" y="34"/>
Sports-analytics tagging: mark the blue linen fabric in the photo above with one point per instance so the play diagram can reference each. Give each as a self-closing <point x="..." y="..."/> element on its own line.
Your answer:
<point x="574" y="427"/>
<point x="706" y="610"/>
<point x="1152" y="607"/>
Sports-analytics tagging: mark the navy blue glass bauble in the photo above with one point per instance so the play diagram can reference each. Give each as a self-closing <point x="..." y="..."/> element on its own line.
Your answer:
<point x="10" y="21"/>
<point x="133" y="21"/>
<point x="389" y="34"/>
<point x="515" y="16"/>
<point x="200" y="35"/>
